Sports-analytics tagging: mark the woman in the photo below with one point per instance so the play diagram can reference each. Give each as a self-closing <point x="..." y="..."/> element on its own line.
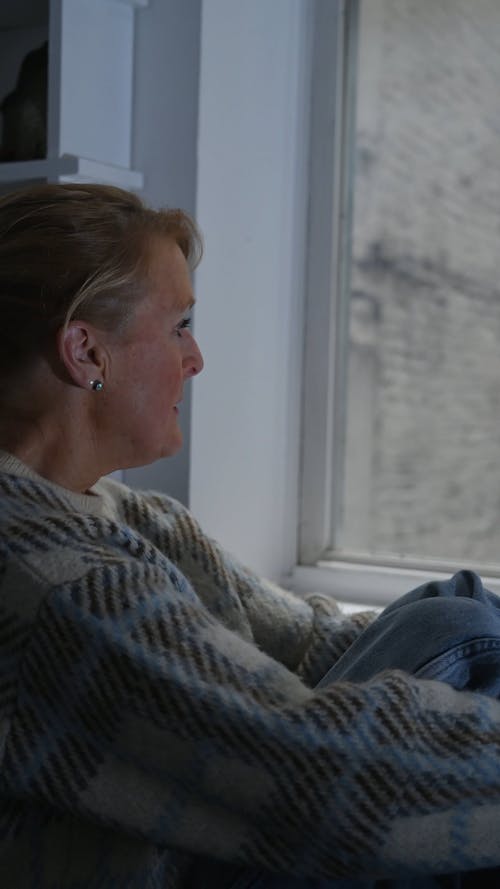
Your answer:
<point x="156" y="699"/>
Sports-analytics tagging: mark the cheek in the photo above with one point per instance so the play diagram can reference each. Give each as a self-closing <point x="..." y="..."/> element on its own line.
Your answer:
<point x="158" y="375"/>
<point x="169" y="376"/>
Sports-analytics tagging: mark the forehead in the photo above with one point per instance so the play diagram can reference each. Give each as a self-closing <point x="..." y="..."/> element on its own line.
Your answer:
<point x="169" y="279"/>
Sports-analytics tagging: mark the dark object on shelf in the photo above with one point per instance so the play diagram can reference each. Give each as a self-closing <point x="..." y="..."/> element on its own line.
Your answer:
<point x="24" y="111"/>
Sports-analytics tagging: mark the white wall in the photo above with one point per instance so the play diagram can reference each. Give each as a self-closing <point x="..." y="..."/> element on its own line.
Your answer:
<point x="164" y="148"/>
<point x="251" y="205"/>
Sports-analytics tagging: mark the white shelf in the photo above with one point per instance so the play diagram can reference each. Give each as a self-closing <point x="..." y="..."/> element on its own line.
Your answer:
<point x="140" y="3"/>
<point x="88" y="116"/>
<point x="70" y="168"/>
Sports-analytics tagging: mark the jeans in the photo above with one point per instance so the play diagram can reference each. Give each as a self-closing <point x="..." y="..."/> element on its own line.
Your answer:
<point x="444" y="630"/>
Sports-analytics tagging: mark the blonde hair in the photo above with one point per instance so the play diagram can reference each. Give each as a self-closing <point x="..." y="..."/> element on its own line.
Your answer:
<point x="72" y="248"/>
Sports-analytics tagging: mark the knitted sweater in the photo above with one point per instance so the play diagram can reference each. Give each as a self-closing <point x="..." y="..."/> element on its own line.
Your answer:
<point x="156" y="703"/>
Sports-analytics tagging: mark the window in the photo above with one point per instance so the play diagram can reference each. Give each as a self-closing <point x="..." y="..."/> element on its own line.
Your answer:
<point x="401" y="459"/>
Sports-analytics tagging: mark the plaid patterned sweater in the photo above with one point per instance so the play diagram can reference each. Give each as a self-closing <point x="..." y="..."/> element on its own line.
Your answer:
<point x="156" y="703"/>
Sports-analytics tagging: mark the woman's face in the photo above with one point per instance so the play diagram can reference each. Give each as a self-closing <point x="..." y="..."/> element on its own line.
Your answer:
<point x="151" y="361"/>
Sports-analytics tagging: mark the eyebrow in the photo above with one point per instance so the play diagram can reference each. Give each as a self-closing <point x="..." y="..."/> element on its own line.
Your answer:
<point x="185" y="307"/>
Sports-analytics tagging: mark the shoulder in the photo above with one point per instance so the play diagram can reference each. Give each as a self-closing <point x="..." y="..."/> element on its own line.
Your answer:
<point x="157" y="517"/>
<point x="56" y="542"/>
<point x="132" y="504"/>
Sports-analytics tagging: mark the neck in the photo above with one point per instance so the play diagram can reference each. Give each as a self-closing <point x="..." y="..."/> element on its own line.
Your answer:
<point x="56" y="460"/>
<point x="54" y="440"/>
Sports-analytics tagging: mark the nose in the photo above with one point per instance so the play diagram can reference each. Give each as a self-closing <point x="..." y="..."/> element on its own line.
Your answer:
<point x="193" y="359"/>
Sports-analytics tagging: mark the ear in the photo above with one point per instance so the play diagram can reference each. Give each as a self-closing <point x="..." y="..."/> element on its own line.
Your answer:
<point x="82" y="353"/>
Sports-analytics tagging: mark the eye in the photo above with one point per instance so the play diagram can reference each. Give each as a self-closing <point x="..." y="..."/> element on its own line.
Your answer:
<point x="183" y="325"/>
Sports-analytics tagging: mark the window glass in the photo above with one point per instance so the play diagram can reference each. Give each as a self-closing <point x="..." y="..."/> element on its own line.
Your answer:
<point x="422" y="443"/>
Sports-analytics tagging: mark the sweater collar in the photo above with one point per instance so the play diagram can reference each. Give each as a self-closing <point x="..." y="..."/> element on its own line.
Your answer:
<point x="96" y="502"/>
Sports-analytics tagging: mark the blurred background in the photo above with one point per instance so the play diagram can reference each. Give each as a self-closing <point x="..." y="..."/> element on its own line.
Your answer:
<point x="342" y="160"/>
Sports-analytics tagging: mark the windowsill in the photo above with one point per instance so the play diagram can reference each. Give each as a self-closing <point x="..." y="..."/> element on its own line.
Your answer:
<point x="366" y="586"/>
<point x="354" y="607"/>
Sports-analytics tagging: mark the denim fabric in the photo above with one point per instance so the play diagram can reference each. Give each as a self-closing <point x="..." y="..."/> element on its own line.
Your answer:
<point x="445" y="630"/>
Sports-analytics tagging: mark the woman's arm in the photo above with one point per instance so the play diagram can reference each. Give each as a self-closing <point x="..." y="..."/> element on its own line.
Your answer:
<point x="307" y="634"/>
<point x="139" y="710"/>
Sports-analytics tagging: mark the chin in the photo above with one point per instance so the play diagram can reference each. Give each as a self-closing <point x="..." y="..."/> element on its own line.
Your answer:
<point x="172" y="447"/>
<point x="144" y="457"/>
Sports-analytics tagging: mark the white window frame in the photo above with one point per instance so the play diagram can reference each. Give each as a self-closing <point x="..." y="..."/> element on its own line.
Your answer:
<point x="375" y="582"/>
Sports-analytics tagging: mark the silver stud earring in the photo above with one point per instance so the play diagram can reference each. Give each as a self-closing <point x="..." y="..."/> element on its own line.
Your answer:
<point x="96" y="385"/>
